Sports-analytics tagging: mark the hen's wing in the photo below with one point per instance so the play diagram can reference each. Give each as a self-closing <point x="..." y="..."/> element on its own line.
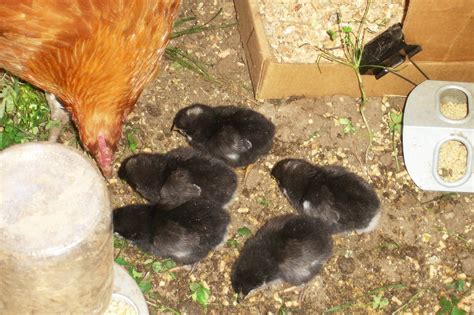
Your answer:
<point x="49" y="42"/>
<point x="95" y="55"/>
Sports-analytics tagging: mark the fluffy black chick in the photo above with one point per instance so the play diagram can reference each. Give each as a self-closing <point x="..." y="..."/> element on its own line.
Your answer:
<point x="341" y="199"/>
<point x="292" y="248"/>
<point x="238" y="136"/>
<point x="180" y="175"/>
<point x="185" y="234"/>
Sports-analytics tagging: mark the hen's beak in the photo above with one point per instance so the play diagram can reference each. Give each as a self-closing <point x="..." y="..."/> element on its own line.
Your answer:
<point x="104" y="157"/>
<point x="107" y="172"/>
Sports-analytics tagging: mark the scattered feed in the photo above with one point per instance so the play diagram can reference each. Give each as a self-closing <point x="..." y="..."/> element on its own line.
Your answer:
<point x="295" y="28"/>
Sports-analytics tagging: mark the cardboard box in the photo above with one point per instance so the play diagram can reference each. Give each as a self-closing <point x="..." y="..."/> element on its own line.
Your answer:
<point x="444" y="29"/>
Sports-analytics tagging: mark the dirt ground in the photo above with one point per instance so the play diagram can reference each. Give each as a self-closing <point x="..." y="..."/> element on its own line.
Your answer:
<point x="424" y="241"/>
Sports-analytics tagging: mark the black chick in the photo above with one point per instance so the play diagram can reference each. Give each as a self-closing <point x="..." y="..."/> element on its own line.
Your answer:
<point x="238" y="136"/>
<point x="180" y="175"/>
<point x="341" y="199"/>
<point x="291" y="248"/>
<point x="185" y="234"/>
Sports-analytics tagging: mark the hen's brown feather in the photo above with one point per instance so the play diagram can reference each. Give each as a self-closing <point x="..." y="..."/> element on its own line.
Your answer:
<point x="96" y="56"/>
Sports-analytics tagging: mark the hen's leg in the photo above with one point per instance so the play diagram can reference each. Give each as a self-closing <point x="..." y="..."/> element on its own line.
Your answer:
<point x="58" y="114"/>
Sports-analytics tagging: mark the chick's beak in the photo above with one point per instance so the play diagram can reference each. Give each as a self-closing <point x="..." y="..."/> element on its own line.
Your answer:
<point x="240" y="297"/>
<point x="172" y="126"/>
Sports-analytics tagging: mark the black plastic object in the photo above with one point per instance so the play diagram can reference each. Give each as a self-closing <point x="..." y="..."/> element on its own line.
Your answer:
<point x="387" y="50"/>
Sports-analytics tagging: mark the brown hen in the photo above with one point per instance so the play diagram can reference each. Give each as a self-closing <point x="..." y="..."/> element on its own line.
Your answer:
<point x="95" y="56"/>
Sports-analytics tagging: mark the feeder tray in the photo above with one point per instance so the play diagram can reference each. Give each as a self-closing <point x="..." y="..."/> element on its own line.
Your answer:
<point x="426" y="130"/>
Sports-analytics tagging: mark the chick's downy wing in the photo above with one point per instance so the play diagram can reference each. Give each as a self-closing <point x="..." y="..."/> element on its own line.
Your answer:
<point x="231" y="144"/>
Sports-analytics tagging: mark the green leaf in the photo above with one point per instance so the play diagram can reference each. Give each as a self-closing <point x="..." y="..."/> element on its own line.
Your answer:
<point x="194" y="286"/>
<point x="157" y="266"/>
<point x="459" y="285"/>
<point x="121" y="261"/>
<point x="244" y="231"/>
<point x="172" y="275"/>
<point x="346" y="29"/>
<point x="132" y="142"/>
<point x="148" y="261"/>
<point x="169" y="264"/>
<point x="263" y="202"/>
<point x="396" y="117"/>
<point x="457" y="311"/>
<point x="161" y="266"/>
<point x="347" y="124"/>
<point x="119" y="243"/>
<point x="136" y="274"/>
<point x="376" y="301"/>
<point x="383" y="303"/>
<point x="332" y="34"/>
<point x="282" y="310"/>
<point x="200" y="293"/>
<point x="344" y="121"/>
<point x="379" y="301"/>
<point x="445" y="304"/>
<point x="145" y="286"/>
<point x="232" y="243"/>
<point x="454" y="300"/>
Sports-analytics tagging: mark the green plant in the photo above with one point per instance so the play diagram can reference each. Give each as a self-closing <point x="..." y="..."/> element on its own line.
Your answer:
<point x="283" y="310"/>
<point x="379" y="301"/>
<point x="395" y="121"/>
<point x="332" y="34"/>
<point x="165" y="266"/>
<point x="352" y="44"/>
<point x="244" y="231"/>
<point x="196" y="28"/>
<point x="140" y="278"/>
<point x="182" y="59"/>
<point x="263" y="202"/>
<point x="119" y="242"/>
<point x="395" y="126"/>
<point x="132" y="140"/>
<point x="450" y="304"/>
<point x="200" y="293"/>
<point x="24" y="113"/>
<point x="313" y="135"/>
<point x="346" y="123"/>
<point x="233" y="243"/>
